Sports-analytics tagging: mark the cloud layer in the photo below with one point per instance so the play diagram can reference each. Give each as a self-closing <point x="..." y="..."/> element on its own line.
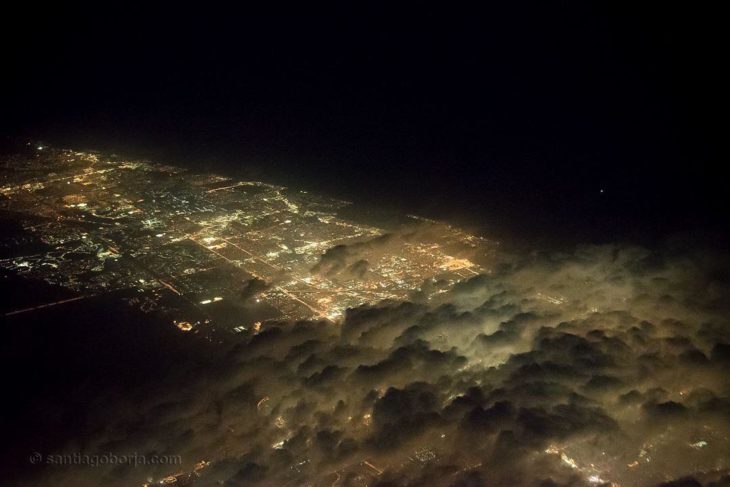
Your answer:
<point x="601" y="365"/>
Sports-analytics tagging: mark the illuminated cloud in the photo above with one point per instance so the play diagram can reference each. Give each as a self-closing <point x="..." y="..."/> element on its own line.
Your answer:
<point x="605" y="364"/>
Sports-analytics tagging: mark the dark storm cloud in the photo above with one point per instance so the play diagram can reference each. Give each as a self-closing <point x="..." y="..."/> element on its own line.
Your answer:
<point x="606" y="364"/>
<point x="350" y="257"/>
<point x="253" y="287"/>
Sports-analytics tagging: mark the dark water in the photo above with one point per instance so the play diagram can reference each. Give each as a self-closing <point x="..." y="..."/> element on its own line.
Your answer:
<point x="62" y="366"/>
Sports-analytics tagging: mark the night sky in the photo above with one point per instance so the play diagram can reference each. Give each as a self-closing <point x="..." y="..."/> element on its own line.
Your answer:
<point x="508" y="120"/>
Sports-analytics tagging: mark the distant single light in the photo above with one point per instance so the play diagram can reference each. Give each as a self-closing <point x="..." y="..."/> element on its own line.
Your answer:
<point x="40" y="147"/>
<point x="603" y="190"/>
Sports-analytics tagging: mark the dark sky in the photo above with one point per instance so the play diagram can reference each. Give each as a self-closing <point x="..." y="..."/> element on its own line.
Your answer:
<point x="510" y="119"/>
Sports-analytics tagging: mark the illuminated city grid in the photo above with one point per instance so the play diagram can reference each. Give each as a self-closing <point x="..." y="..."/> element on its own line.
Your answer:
<point x="207" y="250"/>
